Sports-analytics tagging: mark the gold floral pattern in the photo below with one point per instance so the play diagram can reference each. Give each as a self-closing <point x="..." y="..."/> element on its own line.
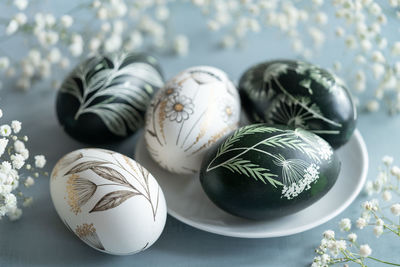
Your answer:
<point x="79" y="192"/>
<point x="88" y="234"/>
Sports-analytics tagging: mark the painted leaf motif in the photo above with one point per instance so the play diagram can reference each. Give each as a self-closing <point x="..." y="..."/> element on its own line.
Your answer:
<point x="83" y="166"/>
<point x="274" y="70"/>
<point x="115" y="76"/>
<point x="134" y="97"/>
<point x="251" y="129"/>
<point x="144" y="72"/>
<point x="70" y="86"/>
<point x="246" y="167"/>
<point x="109" y="174"/>
<point x="99" y="80"/>
<point x="291" y="141"/>
<point x="112" y="200"/>
<point x="115" y="115"/>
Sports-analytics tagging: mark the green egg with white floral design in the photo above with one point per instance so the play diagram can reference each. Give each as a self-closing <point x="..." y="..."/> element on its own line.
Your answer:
<point x="299" y="94"/>
<point x="263" y="171"/>
<point x="105" y="97"/>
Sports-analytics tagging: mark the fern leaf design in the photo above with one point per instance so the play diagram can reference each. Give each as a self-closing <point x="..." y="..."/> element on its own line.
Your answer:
<point x="246" y="167"/>
<point x="291" y="141"/>
<point x="238" y="134"/>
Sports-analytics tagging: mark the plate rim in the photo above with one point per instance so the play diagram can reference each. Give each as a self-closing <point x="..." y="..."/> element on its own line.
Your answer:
<point x="207" y="228"/>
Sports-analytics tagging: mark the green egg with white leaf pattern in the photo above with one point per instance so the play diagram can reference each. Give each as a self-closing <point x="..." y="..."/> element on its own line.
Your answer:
<point x="106" y="96"/>
<point x="263" y="171"/>
<point x="299" y="94"/>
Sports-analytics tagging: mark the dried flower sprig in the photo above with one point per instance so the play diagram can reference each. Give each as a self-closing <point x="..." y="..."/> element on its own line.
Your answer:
<point x="381" y="219"/>
<point x="13" y="157"/>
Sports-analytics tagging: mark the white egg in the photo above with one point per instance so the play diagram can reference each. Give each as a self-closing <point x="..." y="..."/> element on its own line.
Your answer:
<point x="188" y="115"/>
<point x="108" y="200"/>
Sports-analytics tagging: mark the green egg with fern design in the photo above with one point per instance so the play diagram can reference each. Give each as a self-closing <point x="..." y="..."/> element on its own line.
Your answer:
<point x="264" y="171"/>
<point x="299" y="94"/>
<point x="106" y="96"/>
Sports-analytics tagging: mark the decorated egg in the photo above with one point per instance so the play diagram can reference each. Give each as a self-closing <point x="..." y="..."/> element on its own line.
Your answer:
<point x="108" y="200"/>
<point x="299" y="94"/>
<point x="263" y="171"/>
<point x="105" y="97"/>
<point x="193" y="111"/>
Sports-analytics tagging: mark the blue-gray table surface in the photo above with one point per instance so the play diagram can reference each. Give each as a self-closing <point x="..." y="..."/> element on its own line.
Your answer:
<point x="41" y="239"/>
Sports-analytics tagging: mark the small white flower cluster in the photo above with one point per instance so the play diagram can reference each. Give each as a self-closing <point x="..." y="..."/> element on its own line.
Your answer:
<point x="13" y="155"/>
<point x="56" y="39"/>
<point x="324" y="149"/>
<point x="311" y="175"/>
<point x="373" y="215"/>
<point x="332" y="251"/>
<point x="128" y="25"/>
<point x="374" y="55"/>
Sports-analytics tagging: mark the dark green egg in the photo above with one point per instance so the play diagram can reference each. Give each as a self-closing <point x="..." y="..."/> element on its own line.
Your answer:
<point x="106" y="96"/>
<point x="263" y="171"/>
<point x="299" y="94"/>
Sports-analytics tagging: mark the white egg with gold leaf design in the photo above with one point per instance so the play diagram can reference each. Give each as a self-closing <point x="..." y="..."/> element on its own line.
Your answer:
<point x="108" y="200"/>
<point x="188" y="115"/>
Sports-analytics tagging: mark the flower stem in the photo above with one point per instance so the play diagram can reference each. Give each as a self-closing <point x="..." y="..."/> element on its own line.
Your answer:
<point x="385" y="262"/>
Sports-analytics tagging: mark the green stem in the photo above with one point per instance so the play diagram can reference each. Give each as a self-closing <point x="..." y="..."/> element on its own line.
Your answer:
<point x="385" y="262"/>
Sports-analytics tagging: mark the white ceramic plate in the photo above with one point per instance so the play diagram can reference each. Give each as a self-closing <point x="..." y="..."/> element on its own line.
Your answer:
<point x="187" y="202"/>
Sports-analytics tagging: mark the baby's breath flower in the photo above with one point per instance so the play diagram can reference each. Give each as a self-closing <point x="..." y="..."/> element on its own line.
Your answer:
<point x="40" y="161"/>
<point x="361" y="223"/>
<point x="16" y="126"/>
<point x="181" y="45"/>
<point x="27" y="202"/>
<point x="387" y="160"/>
<point x="29" y="181"/>
<point x="66" y="21"/>
<point x="329" y="234"/>
<point x="395" y="209"/>
<point x="378" y="230"/>
<point x="372" y="105"/>
<point x="352" y="237"/>
<point x="19" y="146"/>
<point x="395" y="170"/>
<point x="4" y="63"/>
<point x="386" y="195"/>
<point x="17" y="161"/>
<point x="396" y="49"/>
<point x="14" y="214"/>
<point x="365" y="250"/>
<point x="3" y="145"/>
<point x="21" y="4"/>
<point x="345" y="224"/>
<point x="5" y="130"/>
<point x="9" y="176"/>
<point x="21" y="19"/>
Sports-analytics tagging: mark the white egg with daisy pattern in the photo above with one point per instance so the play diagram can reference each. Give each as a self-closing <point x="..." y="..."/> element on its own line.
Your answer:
<point x="188" y="115"/>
